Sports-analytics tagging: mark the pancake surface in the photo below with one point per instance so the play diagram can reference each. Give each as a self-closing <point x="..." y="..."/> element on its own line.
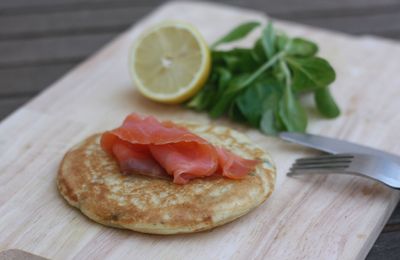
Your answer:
<point x="90" y="180"/>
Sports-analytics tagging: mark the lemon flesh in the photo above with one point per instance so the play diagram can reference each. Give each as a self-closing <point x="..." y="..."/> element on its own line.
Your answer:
<point x="170" y="62"/>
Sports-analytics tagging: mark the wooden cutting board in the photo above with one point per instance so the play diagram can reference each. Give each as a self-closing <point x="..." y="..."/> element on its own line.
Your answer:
<point x="312" y="217"/>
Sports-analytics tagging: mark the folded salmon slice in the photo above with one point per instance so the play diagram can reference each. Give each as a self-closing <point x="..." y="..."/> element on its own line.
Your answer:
<point x="163" y="149"/>
<point x="234" y="166"/>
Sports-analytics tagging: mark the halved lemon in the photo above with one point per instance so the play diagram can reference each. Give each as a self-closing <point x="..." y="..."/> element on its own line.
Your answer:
<point x="170" y="62"/>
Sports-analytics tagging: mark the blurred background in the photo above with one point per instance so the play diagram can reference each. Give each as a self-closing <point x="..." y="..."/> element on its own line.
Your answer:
<point x="41" y="40"/>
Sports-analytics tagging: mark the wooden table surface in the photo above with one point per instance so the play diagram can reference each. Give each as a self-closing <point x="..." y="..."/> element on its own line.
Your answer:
<point x="41" y="40"/>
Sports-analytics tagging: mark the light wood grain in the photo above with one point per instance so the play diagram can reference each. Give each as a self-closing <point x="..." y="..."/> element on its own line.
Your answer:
<point x="386" y="24"/>
<point x="318" y="217"/>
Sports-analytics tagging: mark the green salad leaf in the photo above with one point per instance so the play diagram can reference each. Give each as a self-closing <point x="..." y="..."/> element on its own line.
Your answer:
<point x="268" y="40"/>
<point x="260" y="86"/>
<point x="310" y="73"/>
<point x="292" y="113"/>
<point x="258" y="97"/>
<point x="325" y="103"/>
<point x="237" y="33"/>
<point x="302" y="48"/>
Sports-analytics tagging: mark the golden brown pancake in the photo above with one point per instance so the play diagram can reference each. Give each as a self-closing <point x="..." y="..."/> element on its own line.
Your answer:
<point x="90" y="180"/>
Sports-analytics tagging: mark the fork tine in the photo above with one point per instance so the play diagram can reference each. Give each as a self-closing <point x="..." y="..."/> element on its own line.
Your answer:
<point x="371" y="166"/>
<point x="320" y="167"/>
<point x="323" y="161"/>
<point x="321" y="164"/>
<point x="327" y="157"/>
<point x="312" y="171"/>
<point x="298" y="170"/>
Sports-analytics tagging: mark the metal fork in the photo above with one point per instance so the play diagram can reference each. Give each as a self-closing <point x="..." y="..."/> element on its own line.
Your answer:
<point x="370" y="166"/>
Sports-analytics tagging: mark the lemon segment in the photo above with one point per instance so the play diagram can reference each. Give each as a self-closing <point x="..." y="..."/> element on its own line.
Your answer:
<point x="170" y="62"/>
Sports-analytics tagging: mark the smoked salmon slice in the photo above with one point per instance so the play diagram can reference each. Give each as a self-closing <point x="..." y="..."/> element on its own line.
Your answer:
<point x="164" y="150"/>
<point x="234" y="166"/>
